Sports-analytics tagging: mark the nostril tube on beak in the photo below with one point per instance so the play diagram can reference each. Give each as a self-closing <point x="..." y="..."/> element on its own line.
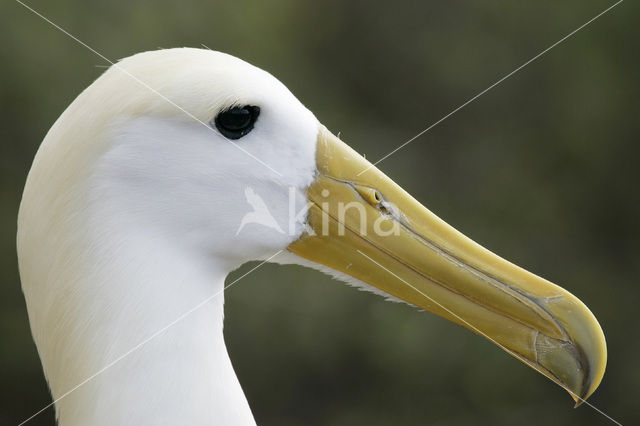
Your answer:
<point x="370" y="195"/>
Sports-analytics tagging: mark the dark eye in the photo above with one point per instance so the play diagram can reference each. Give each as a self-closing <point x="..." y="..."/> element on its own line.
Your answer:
<point x="236" y="122"/>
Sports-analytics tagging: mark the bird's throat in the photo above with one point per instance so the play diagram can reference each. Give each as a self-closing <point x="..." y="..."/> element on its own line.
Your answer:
<point x="143" y="343"/>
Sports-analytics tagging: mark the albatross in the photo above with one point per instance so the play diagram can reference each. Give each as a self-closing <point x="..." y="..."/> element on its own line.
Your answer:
<point x="131" y="217"/>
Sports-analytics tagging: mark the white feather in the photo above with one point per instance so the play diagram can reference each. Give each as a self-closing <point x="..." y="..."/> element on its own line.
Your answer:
<point x="129" y="218"/>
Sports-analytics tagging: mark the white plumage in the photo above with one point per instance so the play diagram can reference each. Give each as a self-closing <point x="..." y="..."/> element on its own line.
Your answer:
<point x="129" y="218"/>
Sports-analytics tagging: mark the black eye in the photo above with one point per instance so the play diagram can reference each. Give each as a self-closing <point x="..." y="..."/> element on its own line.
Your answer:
<point x="236" y="122"/>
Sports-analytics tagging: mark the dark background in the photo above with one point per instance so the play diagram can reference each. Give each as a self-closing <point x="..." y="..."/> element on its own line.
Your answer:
<point x="543" y="170"/>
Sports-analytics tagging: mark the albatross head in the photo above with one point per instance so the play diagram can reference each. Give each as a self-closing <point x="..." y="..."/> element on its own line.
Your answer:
<point x="177" y="166"/>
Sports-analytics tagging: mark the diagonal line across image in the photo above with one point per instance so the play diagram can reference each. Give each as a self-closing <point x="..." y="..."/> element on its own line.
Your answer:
<point x="479" y="94"/>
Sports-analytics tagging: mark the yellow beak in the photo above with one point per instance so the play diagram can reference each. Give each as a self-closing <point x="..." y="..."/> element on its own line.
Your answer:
<point x="364" y="225"/>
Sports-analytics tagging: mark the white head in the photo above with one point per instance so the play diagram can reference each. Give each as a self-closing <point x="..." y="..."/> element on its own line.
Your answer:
<point x="168" y="169"/>
<point x="133" y="215"/>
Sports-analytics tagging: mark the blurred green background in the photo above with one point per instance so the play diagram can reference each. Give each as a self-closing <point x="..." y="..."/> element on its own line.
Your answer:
<point x="543" y="170"/>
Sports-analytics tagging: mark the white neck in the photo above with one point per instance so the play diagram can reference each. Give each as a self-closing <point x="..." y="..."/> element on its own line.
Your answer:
<point x="108" y="292"/>
<point x="181" y="375"/>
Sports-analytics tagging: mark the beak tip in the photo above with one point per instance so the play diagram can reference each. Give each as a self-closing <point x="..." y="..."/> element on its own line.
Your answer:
<point x="581" y="361"/>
